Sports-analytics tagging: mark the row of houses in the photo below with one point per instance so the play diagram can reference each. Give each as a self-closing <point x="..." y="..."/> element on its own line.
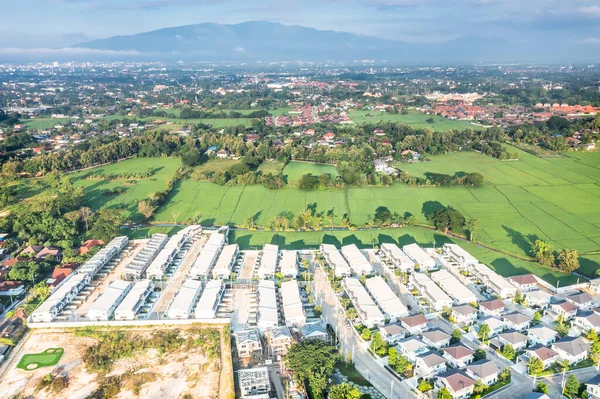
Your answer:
<point x="208" y="256"/>
<point x="136" y="268"/>
<point x="166" y="256"/>
<point x="192" y="299"/>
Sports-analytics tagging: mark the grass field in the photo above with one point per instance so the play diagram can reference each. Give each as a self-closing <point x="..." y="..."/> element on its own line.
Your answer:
<point x="294" y="170"/>
<point x="99" y="193"/>
<point x="215" y="122"/>
<point x="44" y="123"/>
<point x="274" y="167"/>
<point x="215" y="165"/>
<point x="416" y="120"/>
<point x="33" y="361"/>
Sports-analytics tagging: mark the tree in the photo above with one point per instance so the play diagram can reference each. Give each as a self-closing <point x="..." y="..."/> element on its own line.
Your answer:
<point x="447" y="219"/>
<point x="41" y="290"/>
<point x="106" y="224"/>
<point x="484" y="333"/>
<point x="146" y="208"/>
<point x="543" y="252"/>
<point x="535" y="365"/>
<point x="518" y="297"/>
<point x="424" y="386"/>
<point x="249" y="223"/>
<point x="595" y="351"/>
<point x="85" y="214"/>
<point x="592" y="335"/>
<point x="351" y="314"/>
<point x="472" y="225"/>
<point x="537" y="316"/>
<point x="312" y="361"/>
<point x="456" y="336"/>
<point x="568" y="260"/>
<point x="505" y="374"/>
<point x="366" y="334"/>
<point x="479" y="387"/>
<point x="508" y="351"/>
<point x="443" y="393"/>
<point x="377" y="344"/>
<point x="480" y="354"/>
<point x="541" y="387"/>
<point x="571" y="387"/>
<point x="344" y="391"/>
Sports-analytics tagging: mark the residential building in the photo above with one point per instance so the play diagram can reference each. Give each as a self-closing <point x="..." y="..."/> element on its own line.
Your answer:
<point x="315" y="330"/>
<point x="595" y="286"/>
<point x="185" y="300"/>
<point x="582" y="300"/>
<point x="457" y="382"/>
<point x="136" y="268"/>
<point x="517" y="321"/>
<point x="357" y="261"/>
<point x="494" y="307"/>
<point x="462" y="257"/>
<point x="279" y="339"/>
<point x="434" y="295"/>
<point x="207" y="306"/>
<point x="225" y="262"/>
<point x="572" y="349"/>
<point x="514" y="338"/>
<point x="335" y="260"/>
<point x="415" y="324"/>
<point x="541" y="335"/>
<point x="383" y="295"/>
<point x="268" y="262"/>
<point x="288" y="264"/>
<point x="563" y="308"/>
<point x="134" y="300"/>
<point x="367" y="311"/>
<point x="493" y="282"/>
<point x="248" y="343"/>
<point x="587" y="321"/>
<point x="453" y="287"/>
<point x="419" y="257"/>
<point x="105" y="305"/>
<point x="411" y="347"/>
<point x="293" y="310"/>
<point x="397" y="257"/>
<point x="268" y="313"/>
<point x="524" y="282"/>
<point x="537" y="298"/>
<point x="484" y="370"/>
<point x="436" y="338"/>
<point x="253" y="382"/>
<point x="61" y="297"/>
<point x="495" y="325"/>
<point x="429" y="364"/>
<point x="12" y="288"/>
<point x="593" y="387"/>
<point x="464" y="315"/>
<point x="548" y="356"/>
<point x="459" y="355"/>
<point x="208" y="256"/>
<point x="392" y="333"/>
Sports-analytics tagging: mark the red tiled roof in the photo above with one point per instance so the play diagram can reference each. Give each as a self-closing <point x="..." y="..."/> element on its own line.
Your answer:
<point x="10" y="285"/>
<point x="524" y="279"/>
<point x="413" y="321"/>
<point x="494" y="304"/>
<point x="458" y="351"/>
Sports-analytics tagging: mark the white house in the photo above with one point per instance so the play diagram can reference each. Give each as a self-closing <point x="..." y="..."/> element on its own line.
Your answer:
<point x="430" y="364"/>
<point x="436" y="297"/>
<point x="572" y="349"/>
<point x="514" y="338"/>
<point x="464" y="315"/>
<point x="454" y="288"/>
<point x="459" y="355"/>
<point x="366" y="309"/>
<point x="397" y="257"/>
<point x="541" y="335"/>
<point x="411" y="347"/>
<point x="293" y="311"/>
<point x="484" y="370"/>
<point x="436" y="338"/>
<point x="106" y="304"/>
<point x="548" y="356"/>
<point x="457" y="382"/>
<point x="415" y="324"/>
<point x="524" y="282"/>
<point x="582" y="300"/>
<point x="462" y="257"/>
<point x="494" y="307"/>
<point x="587" y="321"/>
<point x="517" y="321"/>
<point x="357" y="261"/>
<point x="419" y="256"/>
<point x="335" y="260"/>
<point x="388" y="302"/>
<point x="185" y="300"/>
<point x="392" y="333"/>
<point x="537" y="298"/>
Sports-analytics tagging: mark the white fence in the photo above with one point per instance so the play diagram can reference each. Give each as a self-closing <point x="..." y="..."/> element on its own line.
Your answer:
<point x="127" y="323"/>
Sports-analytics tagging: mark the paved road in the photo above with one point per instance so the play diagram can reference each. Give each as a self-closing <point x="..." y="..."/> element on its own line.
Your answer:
<point x="554" y="382"/>
<point x="276" y="380"/>
<point x="350" y="344"/>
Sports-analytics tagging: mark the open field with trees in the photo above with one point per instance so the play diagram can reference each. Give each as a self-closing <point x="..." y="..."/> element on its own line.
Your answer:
<point x="416" y="120"/>
<point x="294" y="170"/>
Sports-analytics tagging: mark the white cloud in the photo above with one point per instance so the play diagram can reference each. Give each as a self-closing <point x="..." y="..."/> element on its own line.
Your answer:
<point x="591" y="40"/>
<point x="63" y="51"/>
<point x="590" y="10"/>
<point x="239" y="49"/>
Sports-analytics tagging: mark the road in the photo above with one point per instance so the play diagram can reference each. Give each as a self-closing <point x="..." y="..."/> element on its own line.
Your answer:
<point x="350" y="344"/>
<point x="554" y="382"/>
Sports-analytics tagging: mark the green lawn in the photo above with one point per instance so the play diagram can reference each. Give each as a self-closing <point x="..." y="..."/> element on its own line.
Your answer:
<point x="33" y="361"/>
<point x="294" y="170"/>
<point x="353" y="375"/>
<point x="416" y="120"/>
<point x="215" y="122"/>
<point x="274" y="167"/>
<point x="214" y="165"/>
<point x="44" y="123"/>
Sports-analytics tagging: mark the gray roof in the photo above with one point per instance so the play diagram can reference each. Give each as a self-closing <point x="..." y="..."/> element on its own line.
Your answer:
<point x="512" y="336"/>
<point x="464" y="310"/>
<point x="591" y="317"/>
<point x="572" y="345"/>
<point x="543" y="352"/>
<point x="432" y="359"/>
<point x="436" y="335"/>
<point x="393" y="329"/>
<point x="483" y="368"/>
<point x="517" y="318"/>
<point x="580" y="297"/>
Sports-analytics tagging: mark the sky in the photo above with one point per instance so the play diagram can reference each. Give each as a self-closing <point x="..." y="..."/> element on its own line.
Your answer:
<point x="28" y="24"/>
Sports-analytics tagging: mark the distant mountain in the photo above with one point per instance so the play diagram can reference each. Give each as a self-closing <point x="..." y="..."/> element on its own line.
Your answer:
<point x="268" y="41"/>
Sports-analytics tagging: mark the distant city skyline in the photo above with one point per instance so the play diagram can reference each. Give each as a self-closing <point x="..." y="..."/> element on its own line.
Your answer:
<point x="58" y="23"/>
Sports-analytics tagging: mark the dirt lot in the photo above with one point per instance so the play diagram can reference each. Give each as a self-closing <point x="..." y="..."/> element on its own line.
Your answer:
<point x="169" y="375"/>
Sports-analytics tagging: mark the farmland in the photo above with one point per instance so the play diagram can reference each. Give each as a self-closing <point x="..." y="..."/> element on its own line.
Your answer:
<point x="294" y="170"/>
<point x="214" y="122"/>
<point x="416" y="120"/>
<point x="44" y="123"/>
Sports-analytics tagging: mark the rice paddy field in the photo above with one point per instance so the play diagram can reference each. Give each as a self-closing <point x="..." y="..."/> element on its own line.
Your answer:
<point x="416" y="120"/>
<point x="294" y="170"/>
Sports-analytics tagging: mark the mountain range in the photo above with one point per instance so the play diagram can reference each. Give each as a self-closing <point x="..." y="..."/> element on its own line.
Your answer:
<point x="269" y="41"/>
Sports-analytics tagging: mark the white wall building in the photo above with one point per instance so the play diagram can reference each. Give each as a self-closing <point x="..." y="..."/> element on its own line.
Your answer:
<point x="419" y="256"/>
<point x="209" y="300"/>
<point x="292" y="304"/>
<point x="335" y="260"/>
<point x="462" y="257"/>
<point x="208" y="256"/>
<point x="288" y="264"/>
<point x="225" y="262"/>
<point x="388" y="302"/>
<point x="493" y="282"/>
<point x="366" y="309"/>
<point x="105" y="305"/>
<point x="357" y="261"/>
<point x="436" y="297"/>
<point x="254" y="383"/>
<point x="398" y="258"/>
<point x="185" y="299"/>
<point x="134" y="300"/>
<point x="66" y="291"/>
<point x="173" y="246"/>
<point x="453" y="287"/>
<point x="268" y="314"/>
<point x="268" y="261"/>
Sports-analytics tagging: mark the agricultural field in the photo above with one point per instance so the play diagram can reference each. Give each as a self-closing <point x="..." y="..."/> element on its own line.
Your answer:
<point x="214" y="122"/>
<point x="125" y="193"/>
<point x="294" y="170"/>
<point x="44" y="123"/>
<point x="272" y="166"/>
<point x="214" y="165"/>
<point x="416" y="120"/>
<point x="195" y="370"/>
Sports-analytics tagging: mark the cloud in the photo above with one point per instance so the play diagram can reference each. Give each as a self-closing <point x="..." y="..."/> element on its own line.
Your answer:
<point x="590" y="40"/>
<point x="591" y="10"/>
<point x="239" y="49"/>
<point x="12" y="51"/>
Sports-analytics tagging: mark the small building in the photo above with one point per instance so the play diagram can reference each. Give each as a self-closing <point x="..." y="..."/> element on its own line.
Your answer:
<point x="453" y="287"/>
<point x="514" y="338"/>
<point x="106" y="304"/>
<point x="593" y="387"/>
<point x="436" y="338"/>
<point x="357" y="260"/>
<point x="185" y="300"/>
<point x="457" y="382"/>
<point x="464" y="315"/>
<point x="12" y="288"/>
<point x="430" y="364"/>
<point x="388" y="302"/>
<point x="248" y="343"/>
<point x="572" y="349"/>
<point x="433" y="294"/>
<point x="134" y="300"/>
<point x="397" y="257"/>
<point x="411" y="347"/>
<point x="366" y="309"/>
<point x="495" y="325"/>
<point x="315" y="330"/>
<point x="537" y="298"/>
<point x="416" y="324"/>
<point x="594" y="286"/>
<point x="563" y="308"/>
<point x="268" y="262"/>
<point x="459" y="355"/>
<point x="392" y="333"/>
<point x="462" y="257"/>
<point x="223" y="154"/>
<point x="494" y="307"/>
<point x="484" y="370"/>
<point x="254" y="382"/>
<point x="335" y="260"/>
<point x="419" y="257"/>
<point x="268" y="310"/>
<point x="207" y="306"/>
<point x="279" y="339"/>
<point x="524" y="282"/>
<point x="289" y="263"/>
<point x="582" y="300"/>
<point x="587" y="321"/>
<point x="293" y="310"/>
<point x="517" y="321"/>
<point x="541" y="335"/>
<point x="548" y="356"/>
<point x="88" y="245"/>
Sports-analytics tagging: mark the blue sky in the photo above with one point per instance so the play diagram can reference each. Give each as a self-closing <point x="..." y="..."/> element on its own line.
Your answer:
<point x="52" y="23"/>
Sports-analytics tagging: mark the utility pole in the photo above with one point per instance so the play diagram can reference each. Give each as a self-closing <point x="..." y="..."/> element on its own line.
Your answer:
<point x="391" y="389"/>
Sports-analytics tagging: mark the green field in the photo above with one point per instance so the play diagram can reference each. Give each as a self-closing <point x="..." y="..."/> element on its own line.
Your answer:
<point x="294" y="170"/>
<point x="215" y="122"/>
<point x="44" y="123"/>
<point x="99" y="193"/>
<point x="274" y="167"/>
<point x="33" y="361"/>
<point x="416" y="120"/>
<point x="214" y="165"/>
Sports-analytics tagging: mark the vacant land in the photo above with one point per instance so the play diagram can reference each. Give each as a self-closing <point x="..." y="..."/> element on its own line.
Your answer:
<point x="189" y="369"/>
<point x="294" y="170"/>
<point x="272" y="166"/>
<point x="416" y="120"/>
<point x="125" y="193"/>
<point x="44" y="123"/>
<point x="214" y="165"/>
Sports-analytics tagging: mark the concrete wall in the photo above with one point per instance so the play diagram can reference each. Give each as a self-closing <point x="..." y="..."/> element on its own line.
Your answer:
<point x="127" y="323"/>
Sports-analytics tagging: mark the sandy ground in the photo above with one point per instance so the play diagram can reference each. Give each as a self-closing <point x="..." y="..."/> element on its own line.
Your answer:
<point x="178" y="373"/>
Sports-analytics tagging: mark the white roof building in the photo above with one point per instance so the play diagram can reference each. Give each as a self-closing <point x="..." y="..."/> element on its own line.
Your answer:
<point x="493" y="281"/>
<point x="134" y="300"/>
<point x="397" y="257"/>
<point x="225" y="262"/>
<point x="335" y="260"/>
<point x="165" y="257"/>
<point x="106" y="304"/>
<point x="388" y="302"/>
<point x="292" y="304"/>
<point x="366" y="309"/>
<point x="268" y="315"/>
<point x="289" y="263"/>
<point x="254" y="383"/>
<point x="185" y="299"/>
<point x="138" y="265"/>
<point x="453" y="287"/>
<point x="209" y="301"/>
<point x="208" y="256"/>
<point x="436" y="297"/>
<point x="66" y="291"/>
<point x="419" y="256"/>
<point x="461" y="256"/>
<point x="268" y="261"/>
<point x="357" y="261"/>
<point x="102" y="257"/>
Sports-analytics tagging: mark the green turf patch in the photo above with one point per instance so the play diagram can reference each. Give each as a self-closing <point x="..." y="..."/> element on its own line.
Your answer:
<point x="294" y="170"/>
<point x="47" y="358"/>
